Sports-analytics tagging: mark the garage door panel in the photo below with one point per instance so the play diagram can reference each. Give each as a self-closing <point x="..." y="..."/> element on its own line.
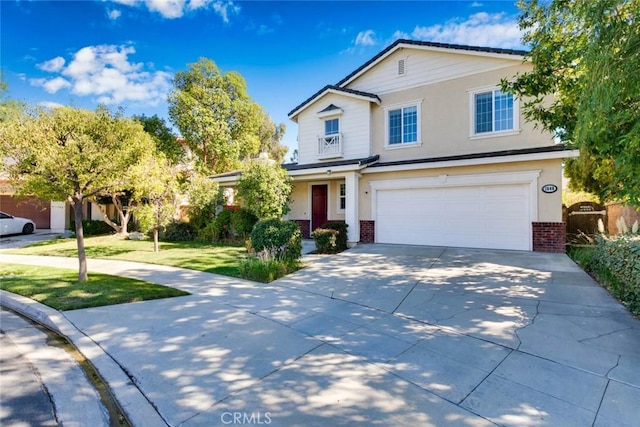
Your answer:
<point x="37" y="210"/>
<point x="496" y="216"/>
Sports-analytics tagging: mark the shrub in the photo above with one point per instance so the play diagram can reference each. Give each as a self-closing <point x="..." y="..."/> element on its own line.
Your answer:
<point x="178" y="231"/>
<point x="221" y="229"/>
<point x="93" y="227"/>
<point x="209" y="233"/>
<point x="230" y="225"/>
<point x="283" y="237"/>
<point x="242" y="222"/>
<point x="341" y="237"/>
<point x="331" y="238"/>
<point x="325" y="240"/>
<point x="264" y="267"/>
<point x="616" y="261"/>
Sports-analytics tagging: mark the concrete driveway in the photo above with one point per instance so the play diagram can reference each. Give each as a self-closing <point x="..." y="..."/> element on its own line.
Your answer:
<point x="380" y="335"/>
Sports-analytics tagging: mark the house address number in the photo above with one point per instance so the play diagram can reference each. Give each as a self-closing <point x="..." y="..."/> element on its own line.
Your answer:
<point x="549" y="188"/>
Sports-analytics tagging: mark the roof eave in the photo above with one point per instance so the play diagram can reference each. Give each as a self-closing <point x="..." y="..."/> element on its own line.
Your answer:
<point x="438" y="47"/>
<point x="294" y="114"/>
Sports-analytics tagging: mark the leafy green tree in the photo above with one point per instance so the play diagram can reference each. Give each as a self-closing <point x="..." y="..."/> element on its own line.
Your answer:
<point x="72" y="154"/>
<point x="165" y="140"/>
<point x="157" y="194"/>
<point x="270" y="136"/>
<point x="264" y="189"/>
<point x="215" y="115"/>
<point x="204" y="198"/>
<point x="9" y="108"/>
<point x="294" y="156"/>
<point x="124" y="200"/>
<point x="585" y="54"/>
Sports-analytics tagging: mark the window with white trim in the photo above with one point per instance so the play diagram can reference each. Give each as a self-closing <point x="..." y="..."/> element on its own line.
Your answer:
<point x="331" y="127"/>
<point x="403" y="125"/>
<point x="493" y="112"/>
<point x="342" y="197"/>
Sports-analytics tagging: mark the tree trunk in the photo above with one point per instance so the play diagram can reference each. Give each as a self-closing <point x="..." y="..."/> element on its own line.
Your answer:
<point x="156" y="246"/>
<point x="82" y="256"/>
<point x="124" y="217"/>
<point x="105" y="217"/>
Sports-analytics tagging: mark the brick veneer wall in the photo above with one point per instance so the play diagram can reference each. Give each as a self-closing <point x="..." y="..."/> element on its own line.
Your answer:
<point x="549" y="236"/>
<point x="305" y="227"/>
<point x="367" y="231"/>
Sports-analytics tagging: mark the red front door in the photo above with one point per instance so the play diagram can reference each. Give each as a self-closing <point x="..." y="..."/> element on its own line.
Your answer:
<point x="318" y="206"/>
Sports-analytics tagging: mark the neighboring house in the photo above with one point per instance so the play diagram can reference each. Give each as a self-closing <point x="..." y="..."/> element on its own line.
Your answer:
<point x="45" y="214"/>
<point x="420" y="146"/>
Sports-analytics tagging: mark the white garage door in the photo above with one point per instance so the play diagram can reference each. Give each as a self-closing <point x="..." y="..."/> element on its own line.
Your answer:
<point x="492" y="216"/>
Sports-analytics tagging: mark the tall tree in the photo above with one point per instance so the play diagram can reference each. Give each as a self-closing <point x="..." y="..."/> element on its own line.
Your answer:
<point x="123" y="199"/>
<point x="264" y="188"/>
<point x="215" y="115"/>
<point x="165" y="140"/>
<point x="585" y="53"/>
<point x="270" y="136"/>
<point x="72" y="154"/>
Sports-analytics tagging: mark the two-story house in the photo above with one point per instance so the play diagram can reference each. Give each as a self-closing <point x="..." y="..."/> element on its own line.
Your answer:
<point x="420" y="146"/>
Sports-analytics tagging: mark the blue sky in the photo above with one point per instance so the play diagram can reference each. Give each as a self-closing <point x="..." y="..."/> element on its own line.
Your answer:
<point x="124" y="53"/>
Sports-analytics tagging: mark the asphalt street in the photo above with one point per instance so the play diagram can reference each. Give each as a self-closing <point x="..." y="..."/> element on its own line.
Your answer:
<point x="24" y="399"/>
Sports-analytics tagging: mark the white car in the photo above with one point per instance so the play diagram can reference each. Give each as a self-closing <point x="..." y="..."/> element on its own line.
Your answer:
<point x="10" y="224"/>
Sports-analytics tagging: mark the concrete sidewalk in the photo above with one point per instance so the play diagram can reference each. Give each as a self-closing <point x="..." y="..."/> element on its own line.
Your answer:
<point x="380" y="334"/>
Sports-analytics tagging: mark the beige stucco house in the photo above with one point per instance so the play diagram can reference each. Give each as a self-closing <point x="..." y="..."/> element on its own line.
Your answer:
<point x="420" y="146"/>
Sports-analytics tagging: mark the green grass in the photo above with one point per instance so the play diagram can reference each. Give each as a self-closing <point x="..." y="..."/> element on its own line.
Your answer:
<point x="59" y="288"/>
<point x="199" y="256"/>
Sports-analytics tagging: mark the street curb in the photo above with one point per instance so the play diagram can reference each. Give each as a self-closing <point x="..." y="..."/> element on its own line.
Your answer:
<point x="139" y="411"/>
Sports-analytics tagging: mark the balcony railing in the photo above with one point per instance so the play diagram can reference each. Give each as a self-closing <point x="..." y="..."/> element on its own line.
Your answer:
<point x="330" y="146"/>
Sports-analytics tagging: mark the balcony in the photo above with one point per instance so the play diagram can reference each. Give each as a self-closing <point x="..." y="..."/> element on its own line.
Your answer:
<point x="330" y="147"/>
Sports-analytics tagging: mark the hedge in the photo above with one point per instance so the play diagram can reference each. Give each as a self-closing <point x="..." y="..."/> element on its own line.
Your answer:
<point x="93" y="227"/>
<point x="619" y="258"/>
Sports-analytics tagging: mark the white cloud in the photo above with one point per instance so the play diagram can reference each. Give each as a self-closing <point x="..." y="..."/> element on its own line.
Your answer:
<point x="224" y="8"/>
<point x="114" y="14"/>
<point x="480" y="29"/>
<point x="167" y="8"/>
<point x="365" y="38"/>
<point x="400" y="35"/>
<point x="172" y="9"/>
<point x="476" y="4"/>
<point x="55" y="84"/>
<point x="106" y="73"/>
<point x="50" y="105"/>
<point x="52" y="65"/>
<point x="51" y="85"/>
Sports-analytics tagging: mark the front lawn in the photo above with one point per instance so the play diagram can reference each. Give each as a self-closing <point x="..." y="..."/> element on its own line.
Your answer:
<point x="199" y="256"/>
<point x="58" y="288"/>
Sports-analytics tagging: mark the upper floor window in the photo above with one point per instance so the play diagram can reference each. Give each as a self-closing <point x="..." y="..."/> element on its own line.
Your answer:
<point x="331" y="127"/>
<point x="403" y="125"/>
<point x="493" y="111"/>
